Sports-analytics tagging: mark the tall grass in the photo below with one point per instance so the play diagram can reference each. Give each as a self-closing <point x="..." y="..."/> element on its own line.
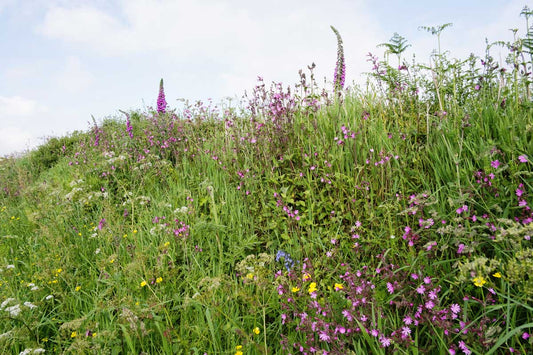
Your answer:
<point x="307" y="220"/>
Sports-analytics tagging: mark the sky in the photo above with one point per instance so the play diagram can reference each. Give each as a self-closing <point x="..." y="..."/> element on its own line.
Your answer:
<point x="63" y="62"/>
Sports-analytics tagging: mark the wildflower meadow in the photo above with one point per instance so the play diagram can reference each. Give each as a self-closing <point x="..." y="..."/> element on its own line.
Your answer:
<point x="306" y="219"/>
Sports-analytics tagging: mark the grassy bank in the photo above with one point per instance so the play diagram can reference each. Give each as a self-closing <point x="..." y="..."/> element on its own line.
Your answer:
<point x="304" y="220"/>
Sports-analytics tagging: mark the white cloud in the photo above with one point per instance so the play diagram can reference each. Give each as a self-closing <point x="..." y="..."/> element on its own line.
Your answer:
<point x="247" y="39"/>
<point x="14" y="139"/>
<point x="74" y="76"/>
<point x="16" y="106"/>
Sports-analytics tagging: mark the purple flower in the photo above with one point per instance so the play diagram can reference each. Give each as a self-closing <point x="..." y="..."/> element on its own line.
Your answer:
<point x="421" y="289"/>
<point x="347" y="315"/>
<point x="385" y="341"/>
<point x="405" y="332"/>
<point x="129" y="127"/>
<point x="463" y="347"/>
<point x="495" y="164"/>
<point x="340" y="67"/>
<point x="101" y="224"/>
<point x="462" y="209"/>
<point x="455" y="308"/>
<point x="161" y="102"/>
<point x="390" y="288"/>
<point x="323" y="336"/>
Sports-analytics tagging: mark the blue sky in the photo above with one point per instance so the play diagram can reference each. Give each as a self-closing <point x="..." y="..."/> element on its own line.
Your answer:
<point x="62" y="61"/>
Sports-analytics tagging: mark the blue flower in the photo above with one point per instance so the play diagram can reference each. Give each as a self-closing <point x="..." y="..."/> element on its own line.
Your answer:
<point x="287" y="260"/>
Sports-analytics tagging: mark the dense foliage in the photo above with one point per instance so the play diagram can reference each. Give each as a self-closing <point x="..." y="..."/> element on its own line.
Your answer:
<point x="305" y="220"/>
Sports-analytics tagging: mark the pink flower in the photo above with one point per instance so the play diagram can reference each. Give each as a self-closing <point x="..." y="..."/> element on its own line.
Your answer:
<point x="406" y="331"/>
<point x="323" y="336"/>
<point x="455" y="308"/>
<point x="385" y="341"/>
<point x="347" y="315"/>
<point x="523" y="158"/>
<point x="495" y="164"/>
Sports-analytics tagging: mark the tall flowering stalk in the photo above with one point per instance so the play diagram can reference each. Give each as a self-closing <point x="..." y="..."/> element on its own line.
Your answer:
<point x="161" y="102"/>
<point x="340" y="68"/>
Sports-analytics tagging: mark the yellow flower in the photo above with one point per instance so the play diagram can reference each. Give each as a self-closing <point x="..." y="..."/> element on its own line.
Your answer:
<point x="159" y="280"/>
<point x="238" y="352"/>
<point x="256" y="330"/>
<point x="111" y="261"/>
<point x="78" y="288"/>
<point x="498" y="275"/>
<point x="295" y="289"/>
<point x="338" y="287"/>
<point x="479" y="281"/>
<point x="306" y="277"/>
<point x="59" y="270"/>
<point x="73" y="334"/>
<point x="143" y="283"/>
<point x="135" y="231"/>
<point x="166" y="244"/>
<point x="238" y="348"/>
<point x="250" y="276"/>
<point x="312" y="287"/>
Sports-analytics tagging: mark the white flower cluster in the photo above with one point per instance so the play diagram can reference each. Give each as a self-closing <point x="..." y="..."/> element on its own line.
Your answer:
<point x="32" y="351"/>
<point x="181" y="210"/>
<point x="141" y="200"/>
<point x="77" y="190"/>
<point x="15" y="309"/>
<point x="112" y="160"/>
<point x="145" y="166"/>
